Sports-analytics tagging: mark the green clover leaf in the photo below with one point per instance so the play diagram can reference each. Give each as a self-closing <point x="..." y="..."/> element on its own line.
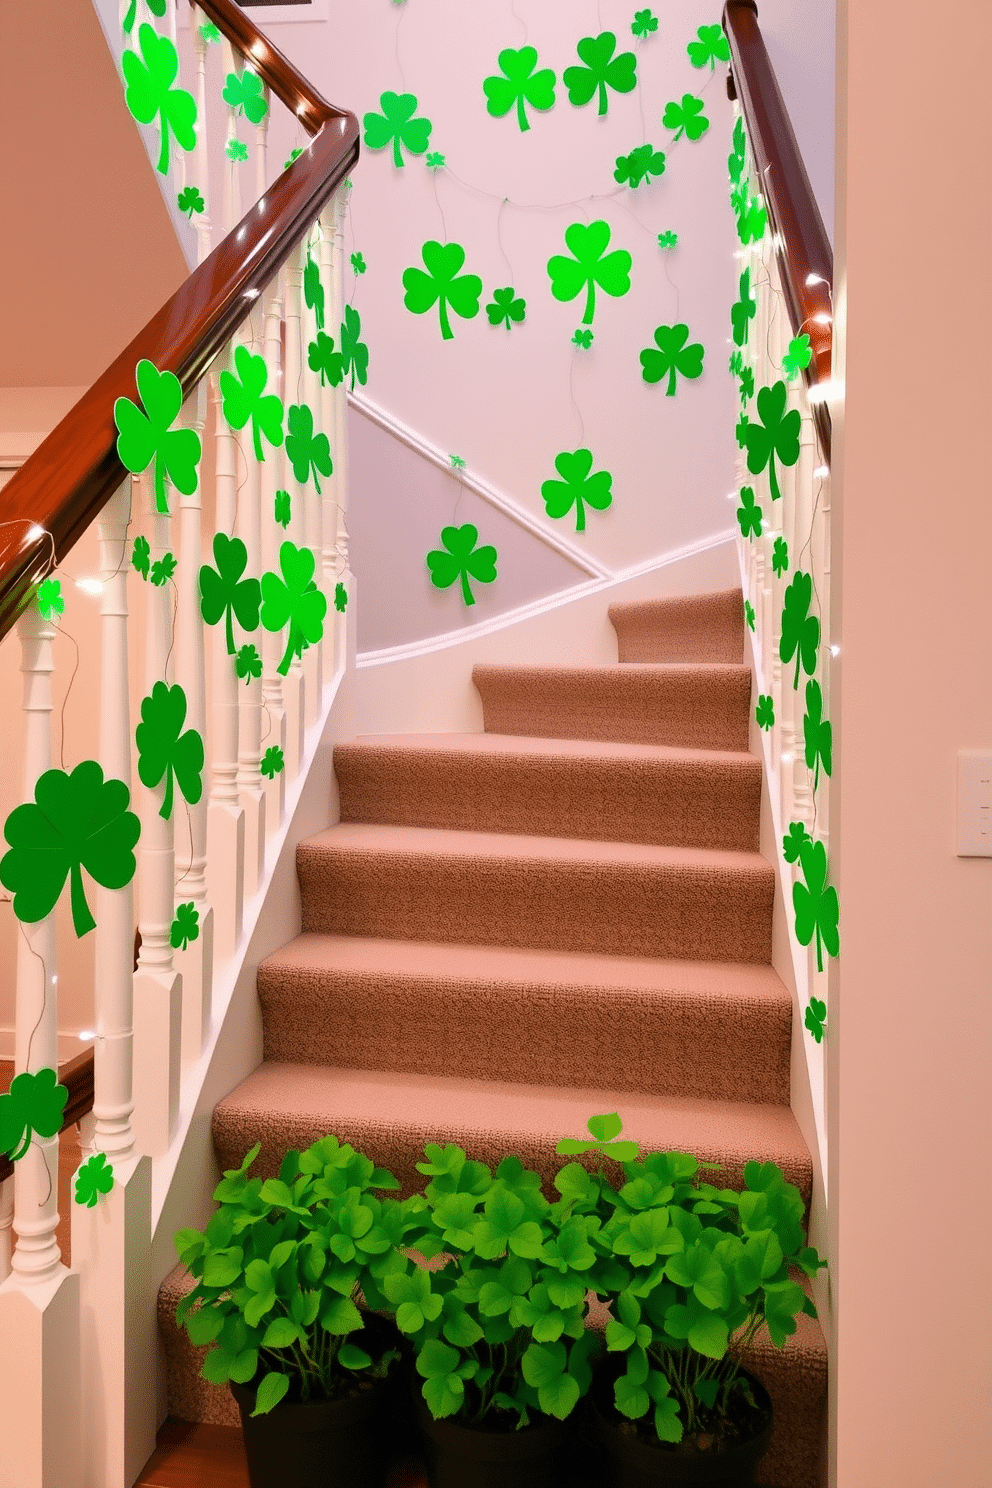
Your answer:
<point x="272" y="762"/>
<point x="764" y="713"/>
<point x="741" y="430"/>
<point x="776" y="433"/>
<point x="668" y="240"/>
<point x="712" y="47"/>
<point x="50" y="601"/>
<point x="461" y="560"/>
<point x="294" y="599"/>
<point x="686" y="118"/>
<point x="308" y="453"/>
<point x="358" y="264"/>
<point x="817" y="734"/>
<point x="800" y="629"/>
<point x="141" y="556"/>
<point x="162" y="570"/>
<point x="747" y="385"/>
<point x="749" y="515"/>
<point x="506" y="309"/>
<point x="441" y="285"/>
<point x="313" y="290"/>
<point x="816" y="1018"/>
<point x="601" y="71"/>
<point x="643" y="24"/>
<point x="582" y="339"/>
<point x="605" y="1130"/>
<point x="248" y="663"/>
<point x="752" y="217"/>
<point x="149" y="92"/>
<point x="588" y="266"/>
<point x="294" y="155"/>
<point x="739" y="200"/>
<point x="816" y="906"/>
<point x="34" y="1103"/>
<point x="457" y="463"/>
<point x="223" y="592"/>
<point x="208" y="30"/>
<point x="246" y="95"/>
<point x="735" y="161"/>
<point x="76" y="821"/>
<point x="672" y="357"/>
<point x="146" y="436"/>
<point x="235" y="150"/>
<point x="163" y="748"/>
<point x="283" y="510"/>
<point x="742" y="312"/>
<point x="94" y="1177"/>
<point x="793" y="841"/>
<point x="798" y="356"/>
<point x="736" y="364"/>
<point x="435" y="160"/>
<point x="354" y="352"/>
<point x="322" y="358"/>
<point x="519" y="85"/>
<point x="639" y="166"/>
<point x="242" y="392"/>
<point x="340" y="598"/>
<point x="397" y="126"/>
<point x="189" y="201"/>
<point x="749" y="614"/>
<point x="185" y="927"/>
<point x="780" y="556"/>
<point x="577" y="487"/>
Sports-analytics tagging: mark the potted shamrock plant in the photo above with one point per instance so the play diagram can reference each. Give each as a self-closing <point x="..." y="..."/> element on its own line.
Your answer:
<point x="278" y="1270"/>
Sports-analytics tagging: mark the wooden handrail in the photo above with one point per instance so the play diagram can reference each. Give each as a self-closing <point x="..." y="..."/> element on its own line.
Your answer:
<point x="801" y="245"/>
<point x="75" y="471"/>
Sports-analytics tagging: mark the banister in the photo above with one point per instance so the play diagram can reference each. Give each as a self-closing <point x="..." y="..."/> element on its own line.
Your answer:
<point x="75" y="471"/>
<point x="801" y="243"/>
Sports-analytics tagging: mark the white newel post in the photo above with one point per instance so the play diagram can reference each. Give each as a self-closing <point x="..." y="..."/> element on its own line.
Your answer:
<point x="273" y="642"/>
<point x="294" y="687"/>
<point x="251" y="791"/>
<point x="344" y="627"/>
<point x="39" y="1300"/>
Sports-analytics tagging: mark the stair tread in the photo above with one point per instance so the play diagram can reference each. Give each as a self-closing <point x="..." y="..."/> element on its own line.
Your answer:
<point x="622" y="672"/>
<point x="512" y="745"/>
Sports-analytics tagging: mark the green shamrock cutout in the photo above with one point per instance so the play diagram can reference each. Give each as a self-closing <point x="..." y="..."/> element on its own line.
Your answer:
<point x="149" y="92"/>
<point x="354" y="352"/>
<point x="749" y="614"/>
<point x="358" y="264"/>
<point x="162" y="570"/>
<point x="313" y="290"/>
<point x="741" y="430"/>
<point x="601" y="71"/>
<point x="793" y="841"/>
<point x="397" y="126"/>
<point x="457" y="463"/>
<point x="643" y="24"/>
<point x="798" y="356"/>
<point x="640" y="166"/>
<point x="749" y="515"/>
<point x="141" y="556"/>
<point x="816" y="906"/>
<point x="248" y="663"/>
<point x="752" y="218"/>
<point x="322" y="358"/>
<point x="185" y="927"/>
<point x="163" y="748"/>
<point x="800" y="629"/>
<point x="50" y="601"/>
<point x="672" y="357"/>
<point x="588" y="266"/>
<point x="283" y="508"/>
<point x="736" y="363"/>
<point x="294" y="600"/>
<point x="461" y="560"/>
<point x="817" y="734"/>
<point x="235" y="150"/>
<point x="34" y="1103"/>
<point x="506" y="309"/>
<point x="735" y="162"/>
<point x="435" y="160"/>
<point x="739" y="200"/>
<point x="308" y="453"/>
<point x="246" y="95"/>
<point x="712" y="47"/>
<point x="582" y="339"/>
<point x="743" y="310"/>
<point x="777" y="434"/>
<point x="272" y="762"/>
<point x="223" y="592"/>
<point x="75" y="821"/>
<point x="208" y="30"/>
<point x="441" y="285"/>
<point x="686" y="118"/>
<point x="605" y="1130"/>
<point x="149" y="435"/>
<point x="94" y="1177"/>
<point x="577" y="487"/>
<point x="668" y="240"/>
<point x="747" y="384"/>
<point x="294" y="155"/>
<point x="519" y="85"/>
<point x="780" y="556"/>
<point x="816" y="1018"/>
<point x="189" y="201"/>
<point x="242" y="392"/>
<point x="764" y="713"/>
<point x="340" y="598"/>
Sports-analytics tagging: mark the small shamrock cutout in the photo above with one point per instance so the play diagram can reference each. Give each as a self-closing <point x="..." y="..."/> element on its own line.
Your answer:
<point x="144" y="436"/>
<point x="776" y="434"/>
<point x="283" y="508"/>
<point x="162" y="570"/>
<point x="272" y="762"/>
<point x="589" y="266"/>
<point x="340" y="598"/>
<point x="248" y="663"/>
<point x="739" y="200"/>
<point x="459" y="558"/>
<point x="793" y="841"/>
<point x="149" y="91"/>
<point x="292" y="598"/>
<point x="643" y="24"/>
<point x="93" y="1177"/>
<point x="673" y="357"/>
<point x="519" y="85"/>
<point x="817" y="734"/>
<point x="246" y="95"/>
<point x="765" y="712"/>
<point x="235" y="150"/>
<point x="141" y="556"/>
<point x="457" y="463"/>
<point x="780" y="556"/>
<point x="668" y="240"/>
<point x="736" y="363"/>
<point x="506" y="309"/>
<point x="605" y="1130"/>
<point x="641" y="165"/>
<point x="397" y="126"/>
<point x="50" y="601"/>
<point x="816" y="1018"/>
<point x="752" y="217"/>
<point x="798" y="356"/>
<point x="354" y="352"/>
<point x="442" y="285"/>
<point x="294" y="155"/>
<point x="435" y="160"/>
<point x="742" y="311"/>
<point x="749" y="515"/>
<point x="712" y="47"/>
<point x="243" y="399"/>
<point x="224" y="594"/>
<point x="189" y="201"/>
<point x="582" y="339"/>
<point x="322" y="358"/>
<point x="313" y="290"/>
<point x="747" y="384"/>
<point x="800" y="629"/>
<point x="816" y="906"/>
<point x="358" y="264"/>
<point x="209" y="31"/>
<point x="735" y="163"/>
<point x="686" y="118"/>
<point x="749" y="614"/>
<point x="34" y="1103"/>
<point x="577" y="487"/>
<point x="601" y="71"/>
<point x="741" y="430"/>
<point x="163" y="748"/>
<point x="185" y="927"/>
<point x="308" y="453"/>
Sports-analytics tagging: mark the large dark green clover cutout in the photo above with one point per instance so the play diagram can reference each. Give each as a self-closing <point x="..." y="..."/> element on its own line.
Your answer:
<point x="354" y="352"/>
<point x="601" y="71"/>
<point x="397" y="126"/>
<point x="775" y="435"/>
<point x="442" y="285"/>
<point x="577" y="487"/>
<point x="294" y="600"/>
<point x="712" y="47"/>
<point x="686" y="118"/>
<point x="641" y="165"/>
<point x="34" y="1103"/>
<point x="460" y="558"/>
<point x="736" y="159"/>
<point x="246" y="95"/>
<point x="743" y="310"/>
<point x="313" y="290"/>
<point x="163" y="748"/>
<point x="308" y="453"/>
<point x="224" y="594"/>
<point x="75" y="821"/>
<point x="816" y="906"/>
<point x="149" y="92"/>
<point x="322" y="358"/>
<point x="800" y="629"/>
<point x="506" y="309"/>
<point x="589" y="267"/>
<point x="519" y="85"/>
<point x="149" y="435"/>
<point x="673" y="357"/>
<point x="817" y="734"/>
<point x="243" y="399"/>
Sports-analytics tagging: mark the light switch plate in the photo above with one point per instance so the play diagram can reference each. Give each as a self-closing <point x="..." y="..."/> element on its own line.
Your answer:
<point x="974" y="803"/>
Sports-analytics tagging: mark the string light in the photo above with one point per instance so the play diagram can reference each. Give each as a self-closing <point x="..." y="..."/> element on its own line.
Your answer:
<point x="34" y="532"/>
<point x="834" y="650"/>
<point x="86" y="1034"/>
<point x="90" y="586"/>
<point x="812" y="279"/>
<point x="787" y="758"/>
<point x="822" y="318"/>
<point x="821" y="472"/>
<point x="823" y="392"/>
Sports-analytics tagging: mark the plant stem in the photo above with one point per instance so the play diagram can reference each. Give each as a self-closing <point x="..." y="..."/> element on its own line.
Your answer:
<point x="522" y="119"/>
<point x="166" y="809"/>
<point x="467" y="594"/>
<point x="590" y="303"/>
<point x="446" y="332"/>
<point x="82" y="921"/>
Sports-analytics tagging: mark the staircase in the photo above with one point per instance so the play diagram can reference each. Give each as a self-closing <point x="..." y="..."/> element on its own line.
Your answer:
<point x="574" y="895"/>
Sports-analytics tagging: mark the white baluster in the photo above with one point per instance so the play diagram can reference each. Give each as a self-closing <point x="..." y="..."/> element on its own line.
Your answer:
<point x="273" y="642"/>
<point x="344" y="628"/>
<point x="232" y="182"/>
<point x="294" y="687"/>
<point x="200" y="170"/>
<point x="327" y="397"/>
<point x="6" y="1222"/>
<point x="251" y="787"/>
<point x="313" y="504"/>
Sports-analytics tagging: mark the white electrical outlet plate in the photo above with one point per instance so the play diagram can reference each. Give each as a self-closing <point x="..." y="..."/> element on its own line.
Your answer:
<point x="974" y="803"/>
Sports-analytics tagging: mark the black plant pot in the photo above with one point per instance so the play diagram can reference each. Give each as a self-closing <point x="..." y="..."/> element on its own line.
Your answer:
<point x="462" y="1456"/>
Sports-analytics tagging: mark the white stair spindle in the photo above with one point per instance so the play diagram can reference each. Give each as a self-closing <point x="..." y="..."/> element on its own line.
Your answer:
<point x="344" y="626"/>
<point x="6" y="1224"/>
<point x="232" y="181"/>
<point x="294" y="687"/>
<point x="251" y="788"/>
<point x="313" y="503"/>
<point x="328" y="397"/>
<point x="200" y="172"/>
<point x="273" y="642"/>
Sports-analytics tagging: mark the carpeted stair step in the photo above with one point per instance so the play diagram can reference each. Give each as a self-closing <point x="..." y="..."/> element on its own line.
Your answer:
<point x="549" y="893"/>
<point x="551" y="788"/>
<point x="688" y="706"/>
<point x="692" y="627"/>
